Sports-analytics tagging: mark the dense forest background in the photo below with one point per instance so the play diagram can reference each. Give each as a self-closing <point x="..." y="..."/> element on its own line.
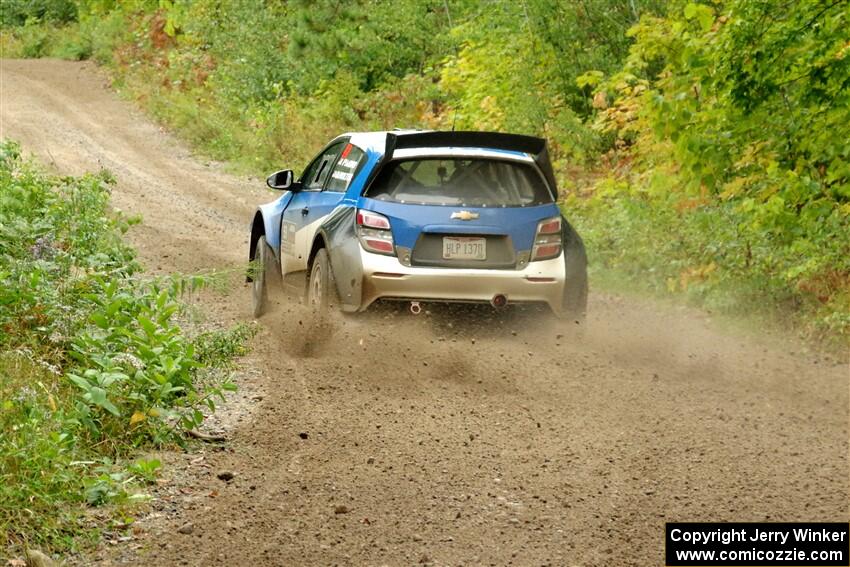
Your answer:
<point x="703" y="148"/>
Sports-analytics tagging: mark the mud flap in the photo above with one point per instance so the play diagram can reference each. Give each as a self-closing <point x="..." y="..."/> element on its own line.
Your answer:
<point x="574" y="305"/>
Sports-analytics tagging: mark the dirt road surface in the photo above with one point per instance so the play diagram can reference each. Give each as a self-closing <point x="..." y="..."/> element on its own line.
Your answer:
<point x="449" y="438"/>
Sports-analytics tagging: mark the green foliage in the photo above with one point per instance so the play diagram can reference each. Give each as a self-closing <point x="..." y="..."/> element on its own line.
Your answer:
<point x="584" y="37"/>
<point x="35" y="455"/>
<point x="146" y="469"/>
<point x="529" y="67"/>
<point x="374" y="42"/>
<point x="219" y="348"/>
<point x="733" y="121"/>
<point x="19" y="12"/>
<point x="93" y="365"/>
<point x="30" y="40"/>
<point x="752" y="90"/>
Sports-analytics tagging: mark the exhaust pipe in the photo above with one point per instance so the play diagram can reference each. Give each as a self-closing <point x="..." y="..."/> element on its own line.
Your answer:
<point x="415" y="308"/>
<point x="499" y="301"/>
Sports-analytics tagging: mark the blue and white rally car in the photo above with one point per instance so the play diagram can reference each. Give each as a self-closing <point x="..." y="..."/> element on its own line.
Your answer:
<point x="420" y="217"/>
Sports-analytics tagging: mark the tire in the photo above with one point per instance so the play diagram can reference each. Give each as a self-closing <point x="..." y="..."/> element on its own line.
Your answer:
<point x="321" y="288"/>
<point x="261" y="276"/>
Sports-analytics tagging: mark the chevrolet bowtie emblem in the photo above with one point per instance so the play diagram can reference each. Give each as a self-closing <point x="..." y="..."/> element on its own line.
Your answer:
<point x="464" y="215"/>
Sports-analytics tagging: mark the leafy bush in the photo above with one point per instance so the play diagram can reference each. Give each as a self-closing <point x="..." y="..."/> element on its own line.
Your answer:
<point x="93" y="365"/>
<point x="732" y="122"/>
<point x="18" y="12"/>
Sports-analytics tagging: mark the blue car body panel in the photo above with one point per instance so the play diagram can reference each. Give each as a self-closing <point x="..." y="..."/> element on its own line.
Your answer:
<point x="408" y="221"/>
<point x="271" y="213"/>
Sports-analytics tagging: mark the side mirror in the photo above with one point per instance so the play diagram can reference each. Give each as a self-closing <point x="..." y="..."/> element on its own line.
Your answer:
<point x="283" y="180"/>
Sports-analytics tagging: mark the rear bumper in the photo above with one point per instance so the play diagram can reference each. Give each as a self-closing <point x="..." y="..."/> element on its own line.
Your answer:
<point x="384" y="277"/>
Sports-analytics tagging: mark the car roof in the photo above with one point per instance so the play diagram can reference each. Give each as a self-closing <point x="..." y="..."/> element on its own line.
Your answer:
<point x="423" y="142"/>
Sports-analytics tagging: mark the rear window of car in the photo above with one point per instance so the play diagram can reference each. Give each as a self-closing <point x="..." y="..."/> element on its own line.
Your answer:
<point x="472" y="182"/>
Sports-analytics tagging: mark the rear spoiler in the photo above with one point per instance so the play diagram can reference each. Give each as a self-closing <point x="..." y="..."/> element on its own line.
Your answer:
<point x="536" y="147"/>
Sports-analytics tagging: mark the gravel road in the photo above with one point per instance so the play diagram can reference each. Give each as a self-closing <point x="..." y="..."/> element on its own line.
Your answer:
<point x="455" y="437"/>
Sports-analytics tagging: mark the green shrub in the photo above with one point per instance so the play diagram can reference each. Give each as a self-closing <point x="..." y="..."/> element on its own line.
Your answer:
<point x="93" y="365"/>
<point x="18" y="12"/>
<point x="732" y="121"/>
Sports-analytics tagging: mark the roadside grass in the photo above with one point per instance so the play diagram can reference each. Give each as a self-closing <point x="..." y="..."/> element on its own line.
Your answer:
<point x="96" y="363"/>
<point x="39" y="481"/>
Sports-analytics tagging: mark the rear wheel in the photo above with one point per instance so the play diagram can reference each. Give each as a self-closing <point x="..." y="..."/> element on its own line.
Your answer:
<point x="321" y="289"/>
<point x="261" y="276"/>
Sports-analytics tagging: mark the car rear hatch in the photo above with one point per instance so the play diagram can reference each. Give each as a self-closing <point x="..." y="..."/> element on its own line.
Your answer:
<point x="428" y="236"/>
<point x="462" y="211"/>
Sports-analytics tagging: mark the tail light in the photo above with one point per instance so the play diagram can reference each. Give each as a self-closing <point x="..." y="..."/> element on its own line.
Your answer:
<point x="375" y="233"/>
<point x="547" y="241"/>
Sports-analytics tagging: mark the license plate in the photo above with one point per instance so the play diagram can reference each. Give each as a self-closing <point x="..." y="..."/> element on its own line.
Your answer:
<point x="464" y="248"/>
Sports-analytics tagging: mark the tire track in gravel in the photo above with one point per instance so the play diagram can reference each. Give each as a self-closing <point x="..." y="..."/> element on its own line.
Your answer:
<point x="454" y="437"/>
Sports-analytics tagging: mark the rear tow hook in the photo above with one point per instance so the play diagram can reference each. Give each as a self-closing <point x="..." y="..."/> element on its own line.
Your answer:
<point x="415" y="308"/>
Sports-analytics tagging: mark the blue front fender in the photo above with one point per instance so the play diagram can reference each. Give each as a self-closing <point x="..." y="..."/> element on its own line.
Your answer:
<point x="267" y="221"/>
